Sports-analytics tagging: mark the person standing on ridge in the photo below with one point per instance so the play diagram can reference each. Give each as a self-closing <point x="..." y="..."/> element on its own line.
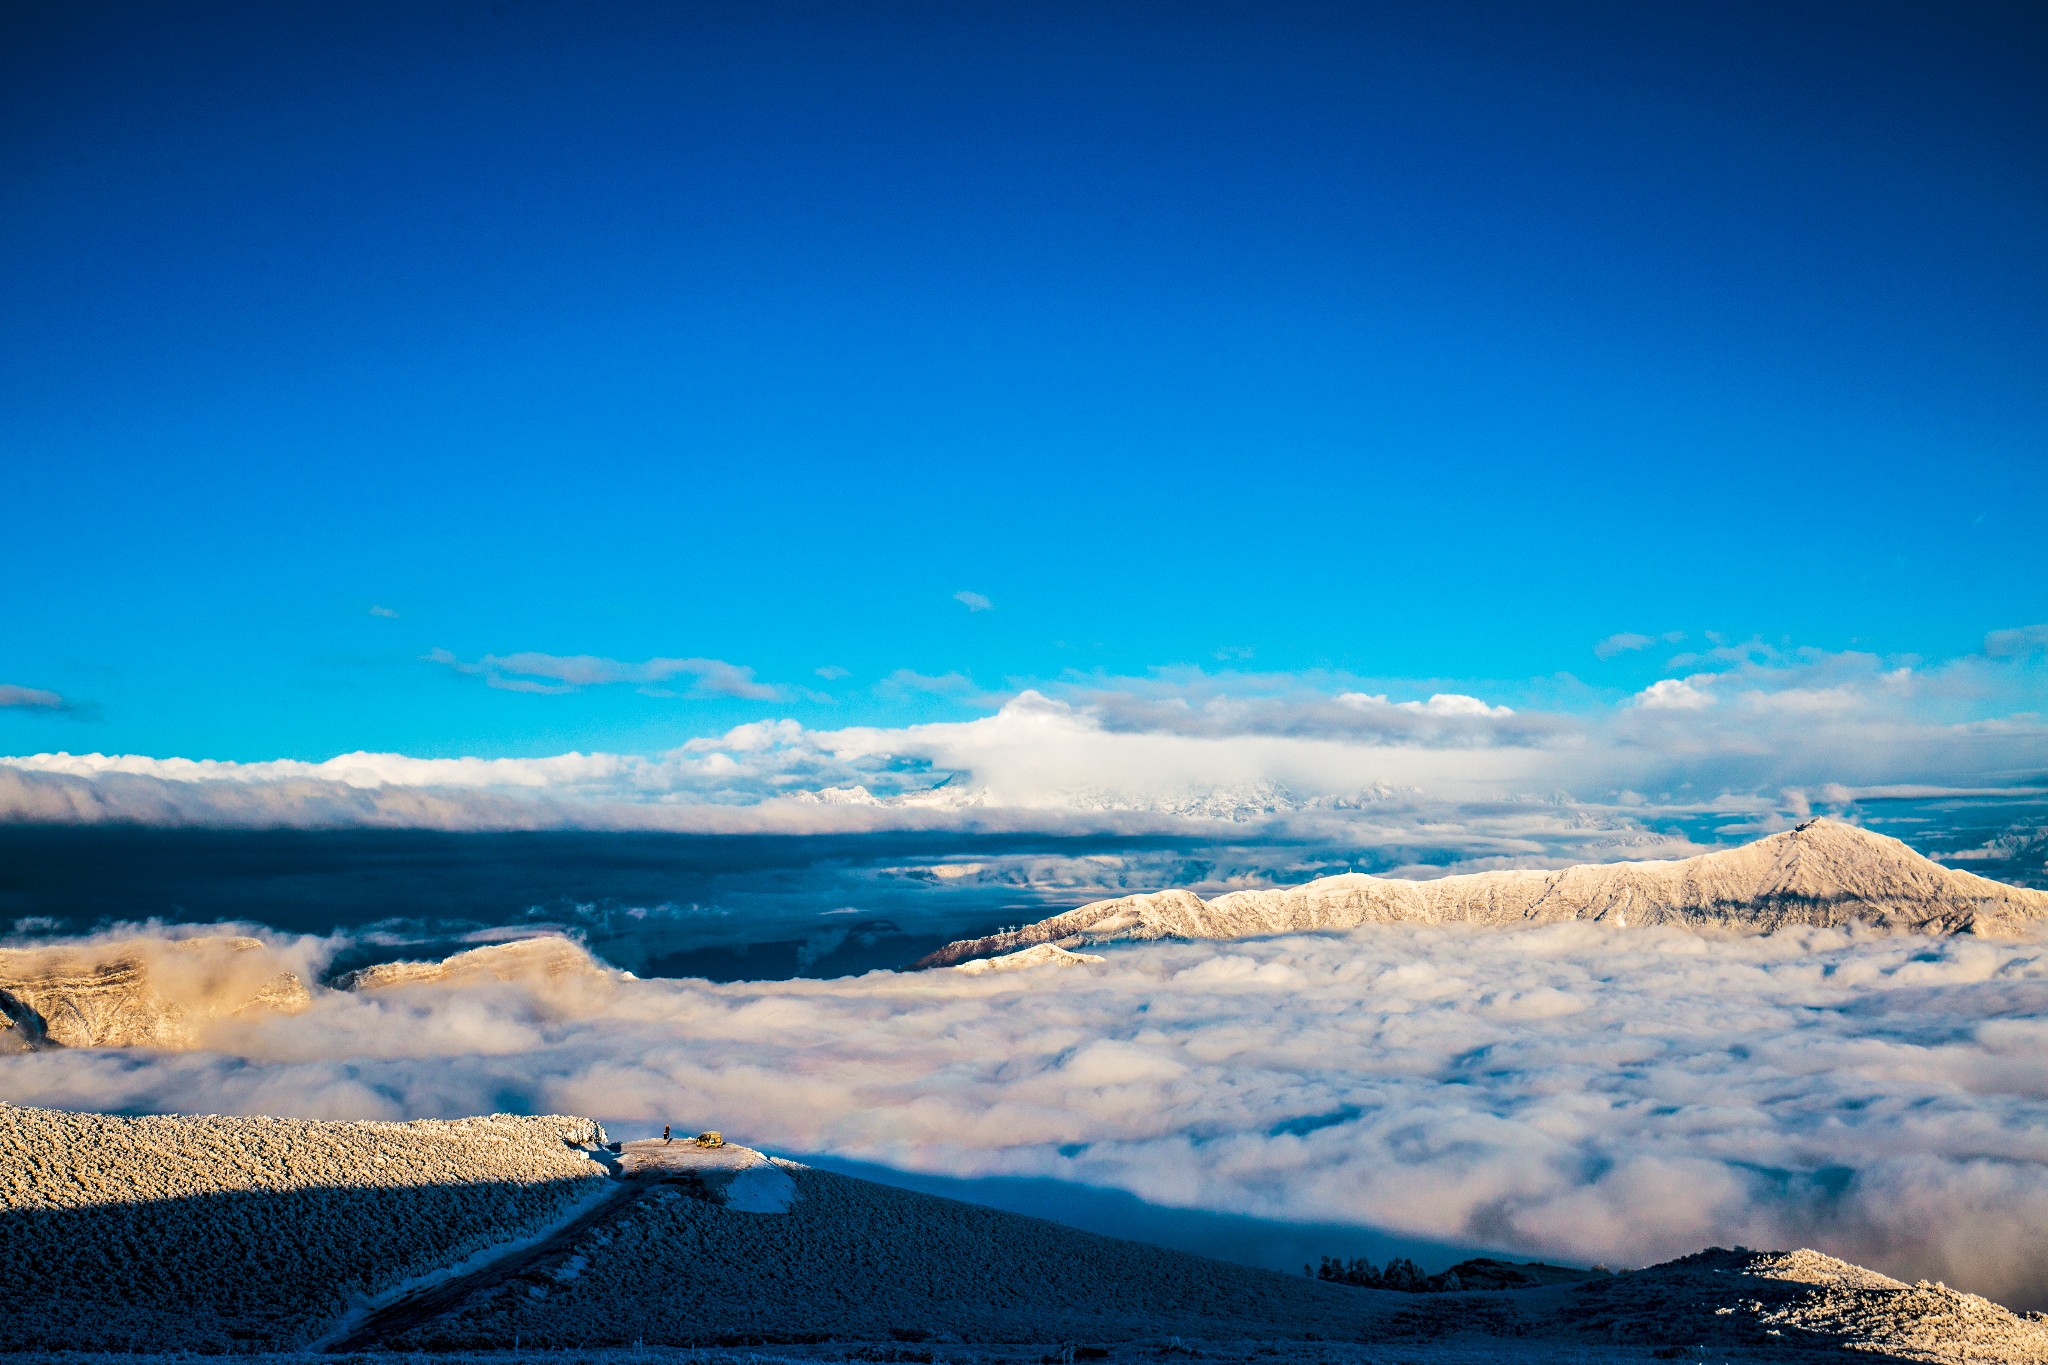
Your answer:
<point x="664" y="1133"/>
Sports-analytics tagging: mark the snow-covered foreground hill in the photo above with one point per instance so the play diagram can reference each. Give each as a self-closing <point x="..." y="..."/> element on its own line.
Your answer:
<point x="210" y="1234"/>
<point x="235" y="1233"/>
<point x="1824" y="874"/>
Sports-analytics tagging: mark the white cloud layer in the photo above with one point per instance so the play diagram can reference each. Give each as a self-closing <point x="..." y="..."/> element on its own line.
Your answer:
<point x="1573" y="1091"/>
<point x="1752" y="736"/>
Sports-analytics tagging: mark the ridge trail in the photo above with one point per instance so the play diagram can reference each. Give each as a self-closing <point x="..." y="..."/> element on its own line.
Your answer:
<point x="640" y="1169"/>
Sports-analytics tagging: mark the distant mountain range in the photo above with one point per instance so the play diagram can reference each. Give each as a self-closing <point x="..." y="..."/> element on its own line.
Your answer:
<point x="167" y="993"/>
<point x="1231" y="802"/>
<point x="1823" y="873"/>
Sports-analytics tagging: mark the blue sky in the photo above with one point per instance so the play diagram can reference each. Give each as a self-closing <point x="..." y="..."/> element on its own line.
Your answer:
<point x="1423" y="347"/>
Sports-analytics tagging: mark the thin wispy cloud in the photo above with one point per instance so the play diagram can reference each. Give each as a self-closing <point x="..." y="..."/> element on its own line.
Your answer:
<point x="1628" y="641"/>
<point x="555" y="674"/>
<point x="973" y="601"/>
<point x="31" y="699"/>
<point x="385" y="612"/>
<point x="909" y="683"/>
<point x="2012" y="644"/>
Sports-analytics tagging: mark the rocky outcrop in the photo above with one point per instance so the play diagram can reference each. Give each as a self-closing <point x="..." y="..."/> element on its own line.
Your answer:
<point x="165" y="993"/>
<point x="145" y="993"/>
<point x="1823" y="873"/>
<point x="540" y="961"/>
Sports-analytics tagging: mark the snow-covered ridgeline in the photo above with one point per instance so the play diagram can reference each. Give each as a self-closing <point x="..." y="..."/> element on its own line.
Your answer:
<point x="1823" y="873"/>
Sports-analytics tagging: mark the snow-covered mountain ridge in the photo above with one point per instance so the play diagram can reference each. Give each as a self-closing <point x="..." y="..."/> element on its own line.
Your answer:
<point x="1823" y="873"/>
<point x="1234" y="803"/>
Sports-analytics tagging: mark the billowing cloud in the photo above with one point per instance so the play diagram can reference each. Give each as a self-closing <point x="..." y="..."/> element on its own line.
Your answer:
<point x="1447" y="773"/>
<point x="557" y="673"/>
<point x="1574" y="1091"/>
<point x="973" y="601"/>
<point x="1674" y="694"/>
<point x="1237" y="705"/>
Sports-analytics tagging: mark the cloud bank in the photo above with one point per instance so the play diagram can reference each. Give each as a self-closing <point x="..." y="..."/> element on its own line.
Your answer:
<point x="1572" y="1091"/>
<point x="1736" y="740"/>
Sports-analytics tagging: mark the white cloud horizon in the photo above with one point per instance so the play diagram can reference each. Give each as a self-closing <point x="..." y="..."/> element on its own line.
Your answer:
<point x="1750" y="737"/>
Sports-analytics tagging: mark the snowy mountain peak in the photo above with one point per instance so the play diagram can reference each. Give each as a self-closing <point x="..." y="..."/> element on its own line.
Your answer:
<point x="1822" y="873"/>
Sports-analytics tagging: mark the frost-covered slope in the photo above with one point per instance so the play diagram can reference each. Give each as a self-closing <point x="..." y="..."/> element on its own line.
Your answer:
<point x="1822" y="873"/>
<point x="1044" y="955"/>
<point x="854" y="1261"/>
<point x="229" y="1233"/>
<point x="216" y="1234"/>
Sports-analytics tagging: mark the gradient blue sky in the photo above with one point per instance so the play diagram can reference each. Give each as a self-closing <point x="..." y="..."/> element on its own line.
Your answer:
<point x="1406" y="341"/>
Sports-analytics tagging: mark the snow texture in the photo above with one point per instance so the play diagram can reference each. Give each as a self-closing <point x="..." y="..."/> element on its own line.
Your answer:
<point x="118" y="1233"/>
<point x="737" y="1177"/>
<point x="1823" y="873"/>
<point x="1044" y="955"/>
<point x="1576" y="1090"/>
<point x="522" y="960"/>
<point x="215" y="1234"/>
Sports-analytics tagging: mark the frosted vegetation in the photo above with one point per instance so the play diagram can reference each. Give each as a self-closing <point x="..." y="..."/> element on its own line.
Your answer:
<point x="857" y="1261"/>
<point x="212" y="1235"/>
<point x="233" y="1233"/>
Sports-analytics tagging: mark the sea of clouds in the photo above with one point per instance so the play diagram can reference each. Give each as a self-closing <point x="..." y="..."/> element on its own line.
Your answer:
<point x="1574" y="1091"/>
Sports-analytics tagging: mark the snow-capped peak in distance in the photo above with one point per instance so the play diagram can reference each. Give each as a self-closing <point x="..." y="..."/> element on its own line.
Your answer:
<point x="1822" y="873"/>
<point x="1233" y="802"/>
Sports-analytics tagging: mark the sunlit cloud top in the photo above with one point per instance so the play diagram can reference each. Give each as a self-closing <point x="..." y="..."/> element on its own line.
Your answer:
<point x="1745" y="737"/>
